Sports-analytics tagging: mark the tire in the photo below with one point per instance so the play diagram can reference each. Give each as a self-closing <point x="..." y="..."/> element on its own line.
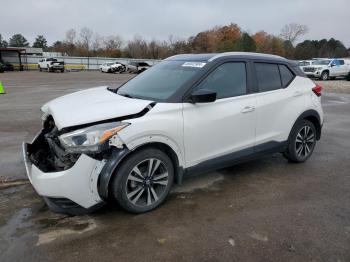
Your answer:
<point x="62" y="70"/>
<point x="325" y="75"/>
<point x="348" y="77"/>
<point x="135" y="188"/>
<point x="301" y="141"/>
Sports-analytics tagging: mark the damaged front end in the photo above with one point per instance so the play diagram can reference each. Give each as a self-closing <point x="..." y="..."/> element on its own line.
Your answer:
<point x="46" y="152"/>
<point x="65" y="167"/>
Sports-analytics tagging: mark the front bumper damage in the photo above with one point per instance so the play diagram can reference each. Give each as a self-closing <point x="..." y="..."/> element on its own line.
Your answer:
<point x="70" y="188"/>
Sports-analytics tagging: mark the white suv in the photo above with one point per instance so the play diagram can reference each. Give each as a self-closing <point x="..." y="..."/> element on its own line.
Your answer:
<point x="188" y="114"/>
<point x="328" y="68"/>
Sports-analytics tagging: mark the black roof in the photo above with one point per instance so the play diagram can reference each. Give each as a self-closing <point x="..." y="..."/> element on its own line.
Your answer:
<point x="214" y="56"/>
<point x="192" y="57"/>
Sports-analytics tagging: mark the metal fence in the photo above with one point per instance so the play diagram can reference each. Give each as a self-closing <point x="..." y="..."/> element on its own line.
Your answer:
<point x="79" y="63"/>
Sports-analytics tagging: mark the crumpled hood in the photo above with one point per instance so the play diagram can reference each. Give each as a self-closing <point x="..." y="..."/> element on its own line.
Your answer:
<point x="91" y="105"/>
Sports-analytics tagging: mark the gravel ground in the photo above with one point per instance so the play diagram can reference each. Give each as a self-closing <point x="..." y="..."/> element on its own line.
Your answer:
<point x="335" y="86"/>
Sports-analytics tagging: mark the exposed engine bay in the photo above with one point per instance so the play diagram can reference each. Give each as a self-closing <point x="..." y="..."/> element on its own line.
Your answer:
<point x="47" y="153"/>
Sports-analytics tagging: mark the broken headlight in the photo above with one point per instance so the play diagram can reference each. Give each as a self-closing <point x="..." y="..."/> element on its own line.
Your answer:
<point x="91" y="138"/>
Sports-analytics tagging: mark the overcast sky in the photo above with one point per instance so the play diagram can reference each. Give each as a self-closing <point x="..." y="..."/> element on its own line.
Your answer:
<point x="161" y="18"/>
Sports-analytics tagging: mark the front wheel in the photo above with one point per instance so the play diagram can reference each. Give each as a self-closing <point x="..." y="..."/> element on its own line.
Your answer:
<point x="143" y="181"/>
<point x="302" y="141"/>
<point x="325" y="75"/>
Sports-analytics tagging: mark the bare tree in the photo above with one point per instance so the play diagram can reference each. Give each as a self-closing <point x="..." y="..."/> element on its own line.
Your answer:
<point x="86" y="37"/>
<point x="291" y="32"/>
<point x="137" y="48"/>
<point x="112" y="42"/>
<point x="97" y="42"/>
<point x="71" y="34"/>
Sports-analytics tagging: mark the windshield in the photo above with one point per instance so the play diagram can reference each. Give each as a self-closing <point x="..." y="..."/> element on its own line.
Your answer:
<point x="321" y="62"/>
<point x="159" y="82"/>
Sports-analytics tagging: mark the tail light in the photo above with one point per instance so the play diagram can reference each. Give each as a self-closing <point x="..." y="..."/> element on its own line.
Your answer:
<point x="317" y="90"/>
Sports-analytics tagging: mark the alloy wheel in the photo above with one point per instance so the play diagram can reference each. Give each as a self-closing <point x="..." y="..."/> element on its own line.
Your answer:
<point x="305" y="141"/>
<point x="147" y="182"/>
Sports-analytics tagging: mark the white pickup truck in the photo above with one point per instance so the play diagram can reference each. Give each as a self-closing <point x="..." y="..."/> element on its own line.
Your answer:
<point x="328" y="68"/>
<point x="51" y="65"/>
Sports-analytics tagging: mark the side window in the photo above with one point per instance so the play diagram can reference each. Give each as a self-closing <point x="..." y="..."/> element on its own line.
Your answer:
<point x="228" y="80"/>
<point x="268" y="77"/>
<point x="286" y="75"/>
<point x="341" y="62"/>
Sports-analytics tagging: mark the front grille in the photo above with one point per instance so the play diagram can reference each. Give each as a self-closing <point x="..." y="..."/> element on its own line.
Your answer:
<point x="309" y="69"/>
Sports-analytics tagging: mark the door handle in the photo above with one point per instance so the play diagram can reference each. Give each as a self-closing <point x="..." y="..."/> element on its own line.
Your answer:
<point x="248" y="109"/>
<point x="297" y="93"/>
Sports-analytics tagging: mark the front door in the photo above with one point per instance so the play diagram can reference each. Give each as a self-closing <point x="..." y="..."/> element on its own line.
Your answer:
<point x="218" y="129"/>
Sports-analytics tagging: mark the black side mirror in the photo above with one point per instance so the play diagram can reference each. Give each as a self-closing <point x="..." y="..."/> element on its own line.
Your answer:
<point x="203" y="96"/>
<point x="333" y="65"/>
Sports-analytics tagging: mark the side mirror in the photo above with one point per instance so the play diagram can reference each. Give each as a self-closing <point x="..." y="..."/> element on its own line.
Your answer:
<point x="333" y="65"/>
<point x="203" y="96"/>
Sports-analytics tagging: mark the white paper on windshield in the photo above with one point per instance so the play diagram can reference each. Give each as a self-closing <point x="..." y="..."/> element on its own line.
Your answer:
<point x="194" y="64"/>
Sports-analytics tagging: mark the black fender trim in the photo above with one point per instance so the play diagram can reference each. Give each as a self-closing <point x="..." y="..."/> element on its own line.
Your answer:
<point x="116" y="156"/>
<point x="237" y="157"/>
<point x="309" y="114"/>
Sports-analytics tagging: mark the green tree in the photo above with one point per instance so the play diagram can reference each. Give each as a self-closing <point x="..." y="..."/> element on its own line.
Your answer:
<point x="288" y="49"/>
<point x="18" y="40"/>
<point x="3" y="43"/>
<point x="40" y="42"/>
<point x="246" y="43"/>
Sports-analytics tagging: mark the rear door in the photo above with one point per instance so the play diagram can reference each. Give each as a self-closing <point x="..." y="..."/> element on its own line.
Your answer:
<point x="280" y="100"/>
<point x="336" y="68"/>
<point x="213" y="131"/>
<point x="343" y="67"/>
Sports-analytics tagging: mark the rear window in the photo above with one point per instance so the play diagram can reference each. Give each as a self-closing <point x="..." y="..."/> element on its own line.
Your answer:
<point x="286" y="75"/>
<point x="268" y="76"/>
<point x="273" y="76"/>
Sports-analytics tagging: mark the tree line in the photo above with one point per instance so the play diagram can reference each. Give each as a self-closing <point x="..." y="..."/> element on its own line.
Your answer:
<point x="218" y="39"/>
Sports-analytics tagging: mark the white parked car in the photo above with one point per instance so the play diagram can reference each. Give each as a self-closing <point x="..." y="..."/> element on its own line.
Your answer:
<point x="51" y="65"/>
<point x="137" y="67"/>
<point x="188" y="114"/>
<point x="328" y="68"/>
<point x="112" y="67"/>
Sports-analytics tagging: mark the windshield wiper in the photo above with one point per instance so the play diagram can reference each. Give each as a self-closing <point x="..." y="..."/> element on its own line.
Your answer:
<point x="127" y="95"/>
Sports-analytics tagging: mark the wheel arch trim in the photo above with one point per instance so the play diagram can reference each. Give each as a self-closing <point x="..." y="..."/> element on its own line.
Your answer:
<point x="313" y="116"/>
<point x="118" y="155"/>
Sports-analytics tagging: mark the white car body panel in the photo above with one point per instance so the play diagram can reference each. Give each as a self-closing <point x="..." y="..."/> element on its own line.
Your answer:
<point x="215" y="129"/>
<point x="278" y="110"/>
<point x="91" y="105"/>
<point x="163" y="124"/>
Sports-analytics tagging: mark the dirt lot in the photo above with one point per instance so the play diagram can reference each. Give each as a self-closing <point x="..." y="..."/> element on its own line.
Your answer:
<point x="264" y="210"/>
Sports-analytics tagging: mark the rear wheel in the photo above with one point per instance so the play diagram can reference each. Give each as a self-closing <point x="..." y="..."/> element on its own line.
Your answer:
<point x="325" y="75"/>
<point x="143" y="181"/>
<point x="302" y="141"/>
